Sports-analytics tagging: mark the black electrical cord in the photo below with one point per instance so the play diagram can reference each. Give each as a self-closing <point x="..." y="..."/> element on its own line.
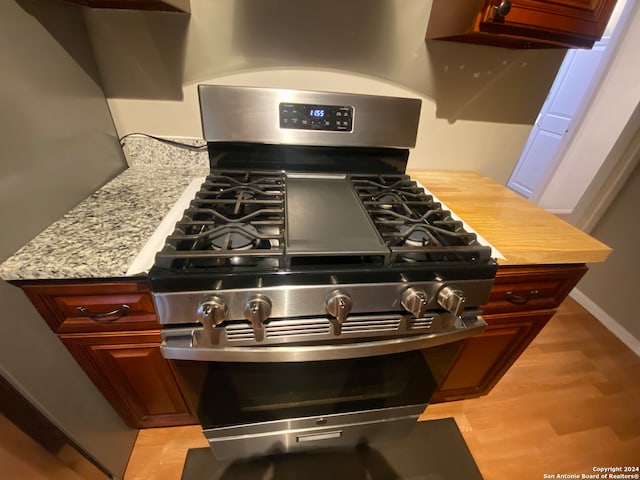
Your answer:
<point x="195" y="148"/>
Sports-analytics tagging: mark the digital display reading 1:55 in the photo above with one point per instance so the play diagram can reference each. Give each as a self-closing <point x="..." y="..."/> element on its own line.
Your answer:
<point x="310" y="116"/>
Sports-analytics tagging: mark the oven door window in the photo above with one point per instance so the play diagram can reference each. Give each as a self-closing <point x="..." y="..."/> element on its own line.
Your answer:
<point x="241" y="393"/>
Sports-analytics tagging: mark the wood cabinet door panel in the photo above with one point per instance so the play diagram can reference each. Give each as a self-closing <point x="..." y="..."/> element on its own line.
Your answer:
<point x="566" y="21"/>
<point x="132" y="374"/>
<point x="485" y="351"/>
<point x="484" y="359"/>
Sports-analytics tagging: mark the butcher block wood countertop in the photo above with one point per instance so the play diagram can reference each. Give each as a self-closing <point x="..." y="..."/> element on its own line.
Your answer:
<point x="523" y="232"/>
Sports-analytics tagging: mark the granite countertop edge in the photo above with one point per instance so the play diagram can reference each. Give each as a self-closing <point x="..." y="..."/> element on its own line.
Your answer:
<point x="100" y="237"/>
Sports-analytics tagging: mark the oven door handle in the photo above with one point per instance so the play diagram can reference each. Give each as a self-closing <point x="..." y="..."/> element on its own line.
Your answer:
<point x="181" y="347"/>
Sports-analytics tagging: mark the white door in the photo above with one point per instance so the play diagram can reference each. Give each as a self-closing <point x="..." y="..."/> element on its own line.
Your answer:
<point x="577" y="77"/>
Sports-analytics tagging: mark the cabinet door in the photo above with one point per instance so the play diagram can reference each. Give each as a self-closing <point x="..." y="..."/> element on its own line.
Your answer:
<point x="576" y="23"/>
<point x="130" y="371"/>
<point x="485" y="359"/>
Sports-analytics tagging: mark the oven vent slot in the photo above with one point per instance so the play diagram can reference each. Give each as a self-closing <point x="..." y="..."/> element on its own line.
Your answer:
<point x="279" y="328"/>
<point x="286" y="328"/>
<point x="238" y="332"/>
<point x="417" y="323"/>
<point x="371" y="325"/>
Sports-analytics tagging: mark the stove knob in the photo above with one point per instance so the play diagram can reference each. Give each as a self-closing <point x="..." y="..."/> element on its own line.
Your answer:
<point x="257" y="310"/>
<point x="415" y="300"/>
<point x="212" y="311"/>
<point x="451" y="300"/>
<point x="338" y="304"/>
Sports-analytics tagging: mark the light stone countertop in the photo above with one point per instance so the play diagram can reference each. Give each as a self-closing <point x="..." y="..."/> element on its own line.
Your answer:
<point x="101" y="236"/>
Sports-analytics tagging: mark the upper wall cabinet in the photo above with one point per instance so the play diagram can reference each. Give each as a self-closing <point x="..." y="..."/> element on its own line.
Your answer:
<point x="520" y="23"/>
<point x="163" y="5"/>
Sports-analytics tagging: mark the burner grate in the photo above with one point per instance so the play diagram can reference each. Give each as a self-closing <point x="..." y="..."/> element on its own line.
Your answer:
<point x="413" y="225"/>
<point x="236" y="219"/>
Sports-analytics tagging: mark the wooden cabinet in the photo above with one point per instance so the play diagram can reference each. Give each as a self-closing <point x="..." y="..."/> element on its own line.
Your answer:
<point x="522" y="301"/>
<point x="111" y="330"/>
<point x="162" y="5"/>
<point x="525" y="23"/>
<point x="571" y="23"/>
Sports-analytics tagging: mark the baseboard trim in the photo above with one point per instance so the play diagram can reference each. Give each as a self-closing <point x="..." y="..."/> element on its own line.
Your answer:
<point x="607" y="320"/>
<point x="564" y="212"/>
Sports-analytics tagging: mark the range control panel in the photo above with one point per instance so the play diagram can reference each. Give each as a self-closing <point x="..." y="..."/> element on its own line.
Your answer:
<point x="303" y="116"/>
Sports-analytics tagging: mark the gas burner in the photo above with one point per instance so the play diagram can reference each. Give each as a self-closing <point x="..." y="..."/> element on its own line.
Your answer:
<point x="230" y="237"/>
<point x="415" y="236"/>
<point x="240" y="204"/>
<point x="238" y="236"/>
<point x="387" y="200"/>
<point x="421" y="233"/>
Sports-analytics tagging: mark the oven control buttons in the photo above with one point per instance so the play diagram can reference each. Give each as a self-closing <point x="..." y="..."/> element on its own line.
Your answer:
<point x="451" y="300"/>
<point x="415" y="300"/>
<point x="338" y="304"/>
<point x="212" y="311"/>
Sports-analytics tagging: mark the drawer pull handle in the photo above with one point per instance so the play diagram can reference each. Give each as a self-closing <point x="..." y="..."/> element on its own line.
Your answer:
<point x="501" y="11"/>
<point x="117" y="314"/>
<point x="520" y="300"/>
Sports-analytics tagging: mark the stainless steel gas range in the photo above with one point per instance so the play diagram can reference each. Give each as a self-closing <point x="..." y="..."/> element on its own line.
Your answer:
<point x="313" y="295"/>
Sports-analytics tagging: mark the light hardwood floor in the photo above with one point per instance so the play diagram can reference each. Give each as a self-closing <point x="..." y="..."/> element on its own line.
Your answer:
<point x="21" y="458"/>
<point x="570" y="403"/>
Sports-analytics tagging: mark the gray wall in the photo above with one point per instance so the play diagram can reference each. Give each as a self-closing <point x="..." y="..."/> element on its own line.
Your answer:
<point x="479" y="102"/>
<point x="58" y="146"/>
<point x="614" y="285"/>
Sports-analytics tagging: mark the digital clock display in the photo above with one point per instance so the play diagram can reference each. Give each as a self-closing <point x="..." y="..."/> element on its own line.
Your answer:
<point x="312" y="116"/>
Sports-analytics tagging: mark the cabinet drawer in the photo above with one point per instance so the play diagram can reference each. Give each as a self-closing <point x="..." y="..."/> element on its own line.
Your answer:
<point x="532" y="288"/>
<point x="86" y="307"/>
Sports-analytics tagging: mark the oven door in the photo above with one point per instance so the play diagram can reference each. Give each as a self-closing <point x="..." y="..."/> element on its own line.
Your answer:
<point x="282" y="401"/>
